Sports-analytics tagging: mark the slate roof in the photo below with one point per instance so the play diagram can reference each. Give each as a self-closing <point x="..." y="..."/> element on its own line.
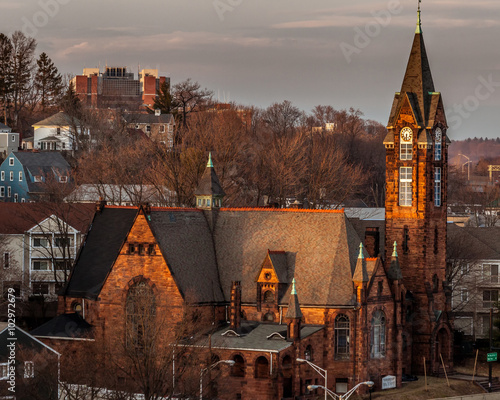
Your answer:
<point x="58" y="119"/>
<point x="256" y="336"/>
<point x="278" y="260"/>
<point x="106" y="236"/>
<point x="186" y="243"/>
<point x="65" y="326"/>
<point x="4" y="127"/>
<point x="35" y="161"/>
<point x="320" y="247"/>
<point x="209" y="184"/>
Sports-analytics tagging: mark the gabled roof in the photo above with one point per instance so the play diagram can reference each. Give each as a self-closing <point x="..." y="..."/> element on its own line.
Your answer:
<point x="4" y="127"/>
<point x="104" y="240"/>
<point x="69" y="326"/>
<point x="35" y="161"/>
<point x="277" y="261"/>
<point x="59" y="119"/>
<point x="320" y="247"/>
<point x="17" y="218"/>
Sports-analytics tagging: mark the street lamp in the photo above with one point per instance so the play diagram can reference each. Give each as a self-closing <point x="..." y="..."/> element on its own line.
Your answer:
<point x="346" y="395"/>
<point x="319" y="370"/>
<point x="230" y="362"/>
<point x="468" y="166"/>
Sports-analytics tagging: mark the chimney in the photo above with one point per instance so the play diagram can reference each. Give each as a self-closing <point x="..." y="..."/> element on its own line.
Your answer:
<point x="235" y="317"/>
<point x="100" y="205"/>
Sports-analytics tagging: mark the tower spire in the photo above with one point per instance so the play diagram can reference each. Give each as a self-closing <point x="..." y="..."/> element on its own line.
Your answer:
<point x="419" y="22"/>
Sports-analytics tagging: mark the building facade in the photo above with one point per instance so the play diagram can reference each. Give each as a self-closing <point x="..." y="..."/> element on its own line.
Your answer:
<point x="26" y="176"/>
<point x="116" y="87"/>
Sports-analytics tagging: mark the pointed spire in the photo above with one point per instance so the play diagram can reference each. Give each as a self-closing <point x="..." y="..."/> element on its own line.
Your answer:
<point x="419" y="23"/>
<point x="209" y="192"/>
<point x="361" y="272"/>
<point x="361" y="252"/>
<point x="394" y="251"/>
<point x="394" y="272"/>
<point x="294" y="311"/>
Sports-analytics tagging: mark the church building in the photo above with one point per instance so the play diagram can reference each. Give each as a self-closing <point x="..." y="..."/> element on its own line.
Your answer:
<point x="289" y="297"/>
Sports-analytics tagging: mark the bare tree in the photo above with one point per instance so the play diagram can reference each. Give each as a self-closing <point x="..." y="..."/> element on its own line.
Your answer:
<point x="189" y="97"/>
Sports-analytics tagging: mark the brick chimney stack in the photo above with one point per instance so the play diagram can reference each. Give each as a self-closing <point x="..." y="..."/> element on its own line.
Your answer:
<point x="235" y="316"/>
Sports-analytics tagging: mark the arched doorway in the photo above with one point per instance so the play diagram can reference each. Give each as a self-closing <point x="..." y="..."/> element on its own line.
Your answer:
<point x="443" y="346"/>
<point x="287" y="377"/>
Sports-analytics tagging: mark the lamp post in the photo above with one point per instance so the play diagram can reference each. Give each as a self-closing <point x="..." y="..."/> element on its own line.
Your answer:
<point x="346" y="395"/>
<point x="319" y="370"/>
<point x="468" y="166"/>
<point x="230" y="362"/>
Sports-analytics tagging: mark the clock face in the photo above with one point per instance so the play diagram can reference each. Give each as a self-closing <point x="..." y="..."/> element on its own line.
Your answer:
<point x="437" y="133"/>
<point x="406" y="134"/>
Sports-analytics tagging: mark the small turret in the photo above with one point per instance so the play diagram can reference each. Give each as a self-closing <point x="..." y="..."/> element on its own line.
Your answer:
<point x="209" y="193"/>
<point x="394" y="272"/>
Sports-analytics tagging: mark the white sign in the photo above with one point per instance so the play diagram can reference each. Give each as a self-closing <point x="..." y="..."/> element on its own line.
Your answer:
<point x="388" y="382"/>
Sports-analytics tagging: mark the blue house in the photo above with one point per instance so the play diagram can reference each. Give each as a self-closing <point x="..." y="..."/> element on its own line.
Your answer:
<point x="23" y="175"/>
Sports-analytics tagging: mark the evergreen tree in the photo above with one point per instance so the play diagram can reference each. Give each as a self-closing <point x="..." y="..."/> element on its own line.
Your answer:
<point x="164" y="100"/>
<point x="23" y="48"/>
<point x="5" y="73"/>
<point x="48" y="82"/>
<point x="70" y="103"/>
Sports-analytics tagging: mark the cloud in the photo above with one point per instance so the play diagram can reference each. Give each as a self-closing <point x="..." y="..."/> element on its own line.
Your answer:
<point x="77" y="48"/>
<point x="10" y="6"/>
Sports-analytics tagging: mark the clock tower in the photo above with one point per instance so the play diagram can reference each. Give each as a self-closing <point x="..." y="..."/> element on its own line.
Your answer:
<point x="415" y="209"/>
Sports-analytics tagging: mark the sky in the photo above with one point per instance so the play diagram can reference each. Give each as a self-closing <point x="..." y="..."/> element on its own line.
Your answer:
<point x="257" y="52"/>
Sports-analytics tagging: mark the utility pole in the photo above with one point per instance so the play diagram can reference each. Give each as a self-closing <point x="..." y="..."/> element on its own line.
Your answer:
<point x="491" y="348"/>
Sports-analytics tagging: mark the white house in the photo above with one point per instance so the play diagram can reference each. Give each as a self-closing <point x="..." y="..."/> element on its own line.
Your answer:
<point x="57" y="132"/>
<point x="38" y="247"/>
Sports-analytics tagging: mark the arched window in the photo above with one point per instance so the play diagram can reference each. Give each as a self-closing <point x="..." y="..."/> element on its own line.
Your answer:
<point x="342" y="332"/>
<point x="378" y="334"/>
<point x="308" y="355"/>
<point x="269" y="296"/>
<point x="238" y="369"/>
<point x="140" y="312"/>
<point x="262" y="368"/>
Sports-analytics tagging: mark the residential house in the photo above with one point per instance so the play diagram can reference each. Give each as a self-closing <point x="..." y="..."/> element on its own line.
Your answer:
<point x="28" y="176"/>
<point x="473" y="265"/>
<point x="38" y="243"/>
<point x="9" y="141"/>
<point x="29" y="369"/>
<point x="159" y="127"/>
<point x="58" y="132"/>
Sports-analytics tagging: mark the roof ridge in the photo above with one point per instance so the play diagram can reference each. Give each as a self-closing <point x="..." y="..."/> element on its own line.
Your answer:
<point x="269" y="209"/>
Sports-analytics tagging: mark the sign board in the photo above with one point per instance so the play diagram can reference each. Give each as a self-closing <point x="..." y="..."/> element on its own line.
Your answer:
<point x="388" y="382"/>
<point x="492" y="357"/>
